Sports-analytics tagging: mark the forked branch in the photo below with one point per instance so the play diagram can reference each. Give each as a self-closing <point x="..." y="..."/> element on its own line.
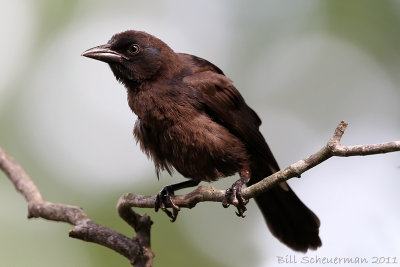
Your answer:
<point x="137" y="249"/>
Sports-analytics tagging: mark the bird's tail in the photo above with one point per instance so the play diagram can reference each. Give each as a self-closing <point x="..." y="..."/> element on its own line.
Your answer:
<point x="287" y="217"/>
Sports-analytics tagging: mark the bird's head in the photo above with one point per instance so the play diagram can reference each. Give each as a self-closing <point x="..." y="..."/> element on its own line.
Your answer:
<point x="133" y="56"/>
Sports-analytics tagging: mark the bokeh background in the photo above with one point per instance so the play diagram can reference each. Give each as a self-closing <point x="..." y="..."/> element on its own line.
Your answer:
<point x="302" y="65"/>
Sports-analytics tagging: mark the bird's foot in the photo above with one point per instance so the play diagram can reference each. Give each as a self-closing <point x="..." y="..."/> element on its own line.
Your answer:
<point x="164" y="200"/>
<point x="233" y="195"/>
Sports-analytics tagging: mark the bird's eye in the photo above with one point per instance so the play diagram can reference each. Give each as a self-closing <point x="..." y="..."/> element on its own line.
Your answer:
<point x="134" y="49"/>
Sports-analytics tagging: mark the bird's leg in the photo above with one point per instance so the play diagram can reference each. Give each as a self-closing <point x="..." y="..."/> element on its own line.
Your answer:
<point x="233" y="195"/>
<point x="164" y="198"/>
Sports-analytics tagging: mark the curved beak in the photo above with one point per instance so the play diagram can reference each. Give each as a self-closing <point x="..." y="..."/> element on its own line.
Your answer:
<point x="104" y="53"/>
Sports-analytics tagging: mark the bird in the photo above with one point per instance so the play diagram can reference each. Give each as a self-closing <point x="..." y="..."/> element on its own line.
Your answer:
<point x="192" y="119"/>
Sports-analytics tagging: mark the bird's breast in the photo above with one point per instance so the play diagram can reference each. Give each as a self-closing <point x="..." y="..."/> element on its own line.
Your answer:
<point x="196" y="147"/>
<point x="174" y="133"/>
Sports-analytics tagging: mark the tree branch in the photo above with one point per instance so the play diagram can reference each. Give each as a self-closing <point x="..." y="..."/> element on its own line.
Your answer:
<point x="208" y="193"/>
<point x="136" y="250"/>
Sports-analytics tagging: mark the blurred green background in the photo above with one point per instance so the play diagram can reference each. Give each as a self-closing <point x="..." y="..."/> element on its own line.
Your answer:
<point x="302" y="65"/>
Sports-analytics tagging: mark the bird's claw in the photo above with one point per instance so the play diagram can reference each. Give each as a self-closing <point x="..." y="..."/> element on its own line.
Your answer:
<point x="164" y="201"/>
<point x="233" y="195"/>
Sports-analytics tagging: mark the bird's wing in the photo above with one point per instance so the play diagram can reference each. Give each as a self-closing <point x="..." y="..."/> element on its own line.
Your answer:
<point x="224" y="104"/>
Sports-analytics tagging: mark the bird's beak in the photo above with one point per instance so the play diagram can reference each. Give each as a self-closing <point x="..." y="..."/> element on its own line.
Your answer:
<point x="104" y="53"/>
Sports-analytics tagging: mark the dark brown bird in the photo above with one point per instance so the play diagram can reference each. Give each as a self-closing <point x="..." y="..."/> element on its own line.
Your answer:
<point x="191" y="118"/>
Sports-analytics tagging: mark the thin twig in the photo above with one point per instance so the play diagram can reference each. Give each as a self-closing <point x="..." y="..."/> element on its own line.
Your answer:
<point x="332" y="148"/>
